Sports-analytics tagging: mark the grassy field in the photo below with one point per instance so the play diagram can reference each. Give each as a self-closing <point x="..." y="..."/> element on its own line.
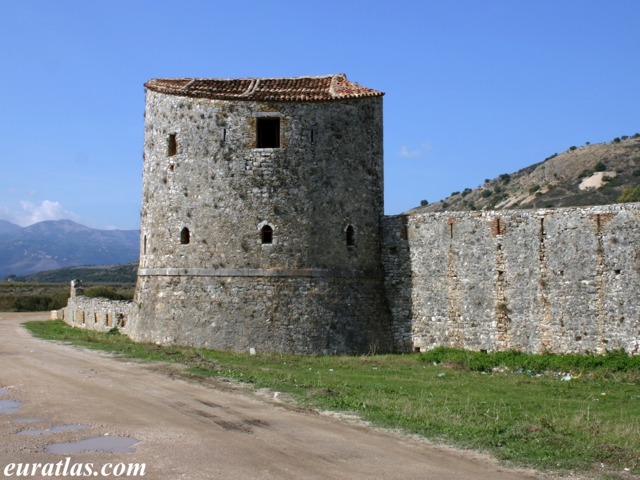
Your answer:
<point x="562" y="414"/>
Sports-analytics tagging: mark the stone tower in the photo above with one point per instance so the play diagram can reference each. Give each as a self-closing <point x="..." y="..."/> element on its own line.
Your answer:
<point x="261" y="216"/>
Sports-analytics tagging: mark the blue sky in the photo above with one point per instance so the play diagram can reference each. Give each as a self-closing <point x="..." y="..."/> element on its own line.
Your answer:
<point x="473" y="88"/>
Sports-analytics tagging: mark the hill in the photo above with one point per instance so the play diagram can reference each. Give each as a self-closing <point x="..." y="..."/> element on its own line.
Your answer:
<point x="57" y="244"/>
<point x="119" y="274"/>
<point x="589" y="175"/>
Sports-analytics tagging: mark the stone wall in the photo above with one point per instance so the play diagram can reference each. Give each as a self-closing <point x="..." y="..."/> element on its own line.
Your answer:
<point x="288" y="313"/>
<point x="98" y="314"/>
<point x="396" y="260"/>
<point x="557" y="280"/>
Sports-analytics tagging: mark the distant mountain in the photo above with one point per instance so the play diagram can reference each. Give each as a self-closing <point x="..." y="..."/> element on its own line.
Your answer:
<point x="589" y="175"/>
<point x="62" y="243"/>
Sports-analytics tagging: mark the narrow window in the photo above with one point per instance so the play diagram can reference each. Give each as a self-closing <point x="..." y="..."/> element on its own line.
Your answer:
<point x="172" y="145"/>
<point x="185" y="236"/>
<point x="351" y="240"/>
<point x="144" y="248"/>
<point x="267" y="234"/>
<point x="268" y="132"/>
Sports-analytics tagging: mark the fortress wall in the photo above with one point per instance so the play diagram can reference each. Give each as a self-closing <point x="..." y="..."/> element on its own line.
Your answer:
<point x="396" y="262"/>
<point x="562" y="280"/>
<point x="318" y="314"/>
<point x="100" y="314"/>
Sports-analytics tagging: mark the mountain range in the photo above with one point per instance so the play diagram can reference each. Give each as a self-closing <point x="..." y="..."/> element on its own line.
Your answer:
<point x="57" y="244"/>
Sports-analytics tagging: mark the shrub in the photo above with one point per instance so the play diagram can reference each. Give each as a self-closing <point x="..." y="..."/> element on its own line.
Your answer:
<point x="455" y="193"/>
<point x="572" y="148"/>
<point x="424" y="203"/>
<point x="616" y="140"/>
<point x="505" y="178"/>
<point x="104" y="292"/>
<point x="466" y="192"/>
<point x="486" y="193"/>
<point x="631" y="194"/>
<point x="600" y="167"/>
<point x="533" y="189"/>
<point x="636" y="173"/>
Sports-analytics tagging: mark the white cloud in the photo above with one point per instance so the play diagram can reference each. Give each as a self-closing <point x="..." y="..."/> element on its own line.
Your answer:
<point x="47" y="210"/>
<point x="407" y="152"/>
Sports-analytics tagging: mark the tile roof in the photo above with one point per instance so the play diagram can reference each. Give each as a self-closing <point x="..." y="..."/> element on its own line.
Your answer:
<point x="301" y="89"/>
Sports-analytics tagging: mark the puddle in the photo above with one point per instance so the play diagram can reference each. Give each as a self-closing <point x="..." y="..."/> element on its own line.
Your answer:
<point x="96" y="444"/>
<point x="59" y="428"/>
<point x="27" y="420"/>
<point x="9" y="406"/>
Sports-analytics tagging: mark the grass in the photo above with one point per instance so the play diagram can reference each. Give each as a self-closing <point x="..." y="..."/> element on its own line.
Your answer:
<point x="567" y="414"/>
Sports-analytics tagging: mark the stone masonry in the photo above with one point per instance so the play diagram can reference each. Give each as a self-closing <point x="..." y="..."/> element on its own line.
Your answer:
<point x="557" y="280"/>
<point x="263" y="230"/>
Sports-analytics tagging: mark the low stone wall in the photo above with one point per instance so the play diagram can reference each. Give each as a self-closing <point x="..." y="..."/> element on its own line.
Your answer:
<point x="100" y="314"/>
<point x="557" y="280"/>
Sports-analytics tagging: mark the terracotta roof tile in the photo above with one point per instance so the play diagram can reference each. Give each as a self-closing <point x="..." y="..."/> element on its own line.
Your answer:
<point x="301" y="89"/>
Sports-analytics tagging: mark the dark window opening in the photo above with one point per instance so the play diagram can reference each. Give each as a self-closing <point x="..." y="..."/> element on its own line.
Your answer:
<point x="172" y="145"/>
<point x="185" y="236"/>
<point x="268" y="132"/>
<point x="267" y="234"/>
<point x="351" y="236"/>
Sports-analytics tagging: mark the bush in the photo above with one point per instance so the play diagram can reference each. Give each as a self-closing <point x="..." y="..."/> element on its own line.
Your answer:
<point x="600" y="167"/>
<point x="534" y="189"/>
<point x="455" y="193"/>
<point x="572" y="148"/>
<point x="104" y="292"/>
<point x="505" y="178"/>
<point x="424" y="203"/>
<point x="631" y="194"/>
<point x="486" y="193"/>
<point x="616" y="140"/>
<point x="466" y="192"/>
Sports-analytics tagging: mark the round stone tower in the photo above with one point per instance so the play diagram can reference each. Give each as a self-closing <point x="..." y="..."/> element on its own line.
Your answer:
<point x="261" y="216"/>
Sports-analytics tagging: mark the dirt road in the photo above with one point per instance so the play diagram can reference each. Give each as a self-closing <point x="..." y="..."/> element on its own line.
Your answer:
<point x="187" y="430"/>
